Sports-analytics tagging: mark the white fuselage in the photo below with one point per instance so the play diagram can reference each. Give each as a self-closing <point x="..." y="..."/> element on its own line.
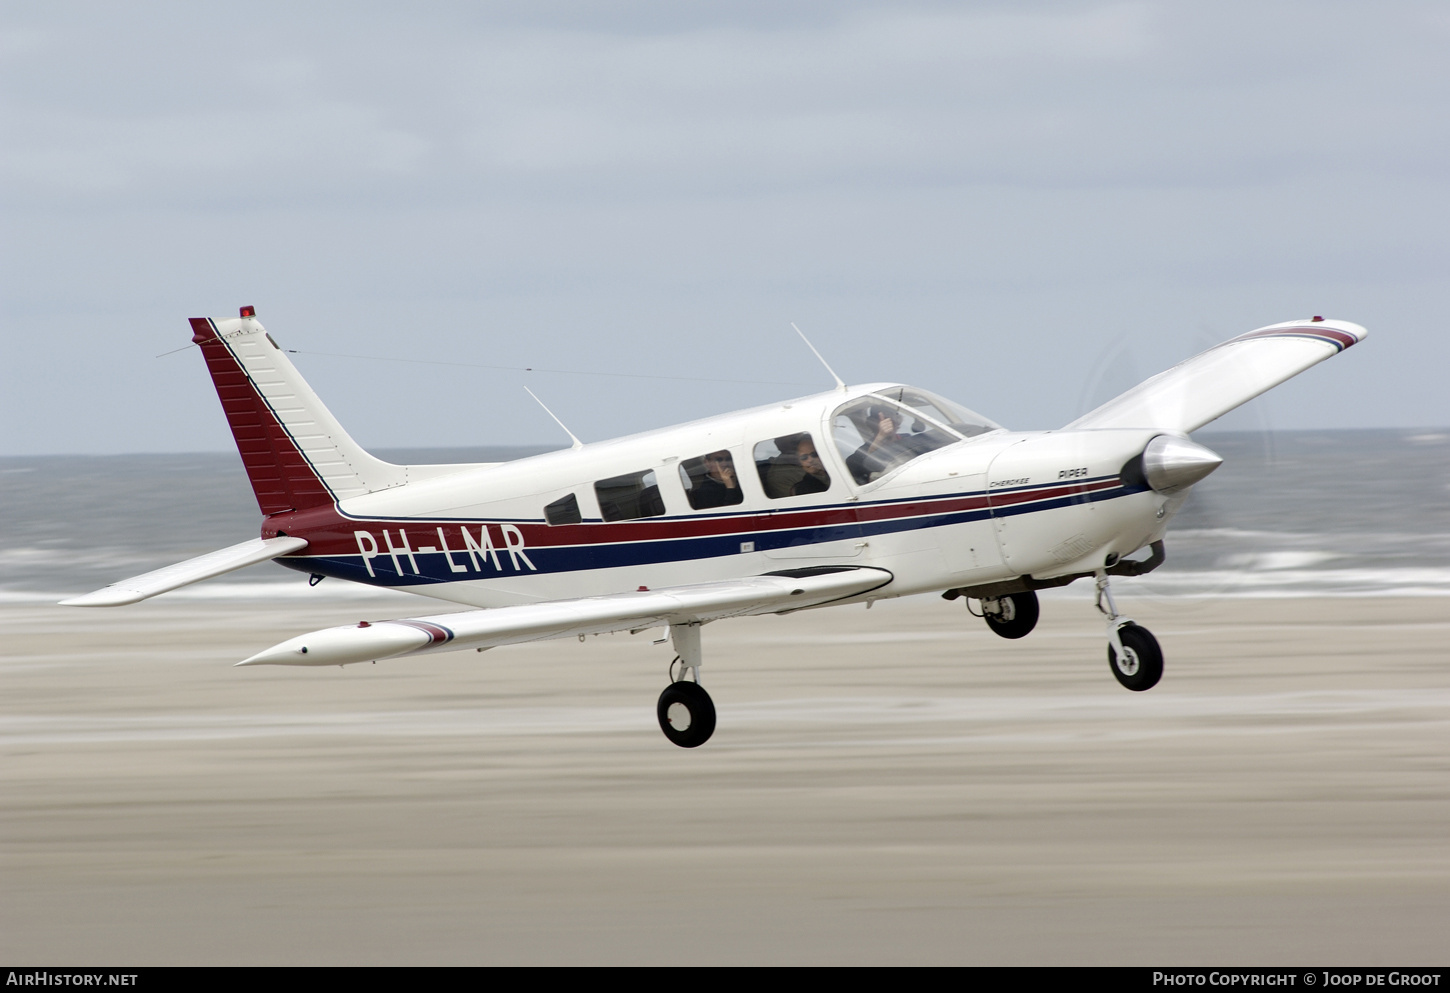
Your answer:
<point x="980" y="509"/>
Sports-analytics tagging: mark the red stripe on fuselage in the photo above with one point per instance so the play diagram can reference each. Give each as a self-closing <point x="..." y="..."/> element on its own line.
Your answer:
<point x="1014" y="497"/>
<point x="329" y="533"/>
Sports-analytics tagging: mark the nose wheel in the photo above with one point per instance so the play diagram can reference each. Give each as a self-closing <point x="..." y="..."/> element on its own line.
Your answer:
<point x="1133" y="652"/>
<point x="1140" y="665"/>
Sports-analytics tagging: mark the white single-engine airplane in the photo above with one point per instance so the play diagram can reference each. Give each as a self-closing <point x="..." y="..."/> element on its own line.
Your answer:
<point x="856" y="494"/>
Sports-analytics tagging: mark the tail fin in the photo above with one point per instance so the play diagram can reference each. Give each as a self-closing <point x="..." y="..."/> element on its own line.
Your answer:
<point x="296" y="453"/>
<point x="1209" y="385"/>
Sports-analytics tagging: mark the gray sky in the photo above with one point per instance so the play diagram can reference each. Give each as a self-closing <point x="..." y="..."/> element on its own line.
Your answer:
<point x="1026" y="207"/>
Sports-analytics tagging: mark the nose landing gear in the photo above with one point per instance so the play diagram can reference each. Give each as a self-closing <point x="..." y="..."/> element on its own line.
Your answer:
<point x="1133" y="652"/>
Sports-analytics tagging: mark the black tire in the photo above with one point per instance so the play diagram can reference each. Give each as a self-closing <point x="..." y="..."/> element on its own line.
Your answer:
<point x="1143" y="666"/>
<point x="687" y="714"/>
<point x="1018" y="615"/>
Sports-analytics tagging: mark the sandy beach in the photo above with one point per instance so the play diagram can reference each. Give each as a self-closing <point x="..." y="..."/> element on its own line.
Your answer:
<point x="893" y="786"/>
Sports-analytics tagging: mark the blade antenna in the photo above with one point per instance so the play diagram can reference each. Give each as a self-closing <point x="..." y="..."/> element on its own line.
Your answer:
<point x="577" y="443"/>
<point x="839" y="385"/>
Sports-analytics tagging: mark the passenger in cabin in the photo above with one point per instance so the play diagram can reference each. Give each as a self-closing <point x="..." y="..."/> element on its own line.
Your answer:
<point x="816" y="479"/>
<point x="783" y="473"/>
<point x="778" y="465"/>
<point x="720" y="486"/>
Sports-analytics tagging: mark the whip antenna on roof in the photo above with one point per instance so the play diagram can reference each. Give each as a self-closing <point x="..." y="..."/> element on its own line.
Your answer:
<point x="576" y="441"/>
<point x="839" y="385"/>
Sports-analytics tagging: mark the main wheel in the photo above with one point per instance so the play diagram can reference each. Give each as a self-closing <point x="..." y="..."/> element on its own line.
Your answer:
<point x="1015" y="616"/>
<point x="1142" y="664"/>
<point x="687" y="714"/>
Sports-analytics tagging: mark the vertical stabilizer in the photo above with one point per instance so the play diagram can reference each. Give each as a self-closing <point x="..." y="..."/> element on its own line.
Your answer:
<point x="296" y="453"/>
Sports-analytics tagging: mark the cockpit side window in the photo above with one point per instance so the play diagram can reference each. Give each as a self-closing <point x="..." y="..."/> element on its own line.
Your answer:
<point x="875" y="436"/>
<point x="629" y="497"/>
<point x="710" y="481"/>
<point x="790" y="466"/>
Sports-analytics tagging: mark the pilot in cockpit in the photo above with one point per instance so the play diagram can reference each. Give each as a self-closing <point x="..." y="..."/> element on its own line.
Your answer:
<point x="885" y="448"/>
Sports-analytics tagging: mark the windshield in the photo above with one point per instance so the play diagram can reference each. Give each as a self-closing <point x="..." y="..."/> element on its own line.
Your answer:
<point x="875" y="436"/>
<point x="967" y="423"/>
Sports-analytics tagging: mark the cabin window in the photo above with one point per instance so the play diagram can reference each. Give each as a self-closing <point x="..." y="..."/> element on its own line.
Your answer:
<point x="626" y="498"/>
<point x="875" y="437"/>
<point x="564" y="510"/>
<point x="711" y="481"/>
<point x="791" y="466"/>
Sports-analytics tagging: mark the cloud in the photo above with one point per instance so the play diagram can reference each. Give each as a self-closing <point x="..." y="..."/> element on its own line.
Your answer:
<point x="1085" y="95"/>
<point x="972" y="196"/>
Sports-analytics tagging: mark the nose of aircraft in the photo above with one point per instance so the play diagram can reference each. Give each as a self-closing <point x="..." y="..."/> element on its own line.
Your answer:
<point x="1171" y="464"/>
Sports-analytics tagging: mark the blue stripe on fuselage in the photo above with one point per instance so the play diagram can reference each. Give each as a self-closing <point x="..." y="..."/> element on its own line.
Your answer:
<point x="434" y="566"/>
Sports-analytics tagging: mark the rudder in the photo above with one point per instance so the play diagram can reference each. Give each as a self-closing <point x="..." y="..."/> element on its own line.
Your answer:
<point x="296" y="454"/>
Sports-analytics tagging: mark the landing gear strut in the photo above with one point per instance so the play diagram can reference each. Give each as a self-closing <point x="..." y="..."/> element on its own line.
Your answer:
<point x="686" y="712"/>
<point x="1133" y="652"/>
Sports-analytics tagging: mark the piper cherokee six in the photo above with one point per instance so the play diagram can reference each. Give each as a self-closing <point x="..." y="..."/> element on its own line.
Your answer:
<point x="848" y="496"/>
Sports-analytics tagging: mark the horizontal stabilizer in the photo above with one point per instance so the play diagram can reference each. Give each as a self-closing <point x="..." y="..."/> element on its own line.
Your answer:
<point x="497" y="626"/>
<point x="1211" y="384"/>
<point x="181" y="574"/>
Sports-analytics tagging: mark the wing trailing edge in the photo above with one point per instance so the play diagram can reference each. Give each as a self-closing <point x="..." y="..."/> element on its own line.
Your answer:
<point x="173" y="577"/>
<point x="496" y="626"/>
<point x="1211" y="384"/>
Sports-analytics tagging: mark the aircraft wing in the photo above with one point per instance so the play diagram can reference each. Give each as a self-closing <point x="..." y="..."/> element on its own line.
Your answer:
<point x="1209" y="385"/>
<point x="238" y="556"/>
<point x="772" y="593"/>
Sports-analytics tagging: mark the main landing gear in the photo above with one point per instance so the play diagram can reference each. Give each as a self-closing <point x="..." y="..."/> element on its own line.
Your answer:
<point x="1011" y="616"/>
<point x="686" y="712"/>
<point x="1133" y="652"/>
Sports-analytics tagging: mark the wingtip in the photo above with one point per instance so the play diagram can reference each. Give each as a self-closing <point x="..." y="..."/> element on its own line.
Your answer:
<point x="108" y="597"/>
